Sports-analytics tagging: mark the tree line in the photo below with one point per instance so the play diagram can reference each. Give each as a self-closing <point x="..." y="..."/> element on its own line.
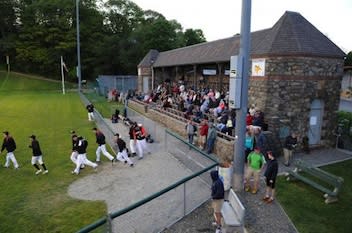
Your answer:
<point x="115" y="35"/>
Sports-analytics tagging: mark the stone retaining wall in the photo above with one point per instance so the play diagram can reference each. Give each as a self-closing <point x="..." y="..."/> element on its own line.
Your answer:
<point x="223" y="149"/>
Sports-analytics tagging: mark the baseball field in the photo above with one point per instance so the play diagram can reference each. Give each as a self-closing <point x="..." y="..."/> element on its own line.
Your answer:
<point x="40" y="203"/>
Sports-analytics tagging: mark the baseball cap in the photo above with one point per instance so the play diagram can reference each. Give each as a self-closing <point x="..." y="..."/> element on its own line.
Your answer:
<point x="32" y="136"/>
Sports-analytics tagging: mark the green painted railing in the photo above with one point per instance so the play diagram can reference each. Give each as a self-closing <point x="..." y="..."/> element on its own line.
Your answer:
<point x="118" y="213"/>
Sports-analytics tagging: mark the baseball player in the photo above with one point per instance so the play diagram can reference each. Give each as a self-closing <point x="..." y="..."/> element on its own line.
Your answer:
<point x="82" y="156"/>
<point x="132" y="140"/>
<point x="74" y="153"/>
<point x="10" y="145"/>
<point x="139" y="137"/>
<point x="37" y="155"/>
<point x="101" y="146"/>
<point x="90" y="109"/>
<point x="122" y="154"/>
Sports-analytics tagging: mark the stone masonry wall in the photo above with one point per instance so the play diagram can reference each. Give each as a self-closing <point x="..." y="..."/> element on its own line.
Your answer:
<point x="290" y="86"/>
<point x="223" y="149"/>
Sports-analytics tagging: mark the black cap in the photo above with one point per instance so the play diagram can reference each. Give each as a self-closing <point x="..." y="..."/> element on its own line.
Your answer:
<point x="117" y="135"/>
<point x="94" y="128"/>
<point x="80" y="137"/>
<point x="32" y="136"/>
<point x="72" y="132"/>
<point x="6" y="133"/>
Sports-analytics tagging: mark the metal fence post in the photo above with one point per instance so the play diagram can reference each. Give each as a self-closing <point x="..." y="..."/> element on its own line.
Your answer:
<point x="184" y="199"/>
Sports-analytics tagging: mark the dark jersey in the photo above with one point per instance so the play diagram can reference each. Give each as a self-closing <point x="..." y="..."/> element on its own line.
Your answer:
<point x="121" y="144"/>
<point x="82" y="146"/>
<point x="9" y="144"/>
<point x="35" y="148"/>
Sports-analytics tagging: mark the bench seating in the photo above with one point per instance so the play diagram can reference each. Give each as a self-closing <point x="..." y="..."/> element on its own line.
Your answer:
<point x="302" y="168"/>
<point x="233" y="213"/>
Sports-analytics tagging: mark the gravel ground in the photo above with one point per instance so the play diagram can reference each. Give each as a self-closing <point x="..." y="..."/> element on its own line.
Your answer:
<point x="260" y="217"/>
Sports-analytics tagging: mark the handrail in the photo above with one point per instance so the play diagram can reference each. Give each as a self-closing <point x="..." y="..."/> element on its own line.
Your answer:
<point x="118" y="213"/>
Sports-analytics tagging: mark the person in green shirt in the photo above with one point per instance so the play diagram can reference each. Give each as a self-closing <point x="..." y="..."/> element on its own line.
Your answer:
<point x="255" y="162"/>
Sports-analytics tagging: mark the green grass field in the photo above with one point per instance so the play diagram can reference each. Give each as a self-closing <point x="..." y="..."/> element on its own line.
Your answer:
<point x="306" y="208"/>
<point x="31" y="203"/>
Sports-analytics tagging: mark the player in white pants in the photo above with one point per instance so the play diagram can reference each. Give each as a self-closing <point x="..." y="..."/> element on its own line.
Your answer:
<point x="82" y="156"/>
<point x="37" y="157"/>
<point x="141" y="142"/>
<point x="90" y="109"/>
<point x="10" y="145"/>
<point x="101" y="146"/>
<point x="132" y="140"/>
<point x="122" y="154"/>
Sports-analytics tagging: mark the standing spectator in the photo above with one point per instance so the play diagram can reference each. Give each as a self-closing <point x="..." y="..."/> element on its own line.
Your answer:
<point x="254" y="165"/>
<point x="82" y="156"/>
<point x="101" y="146"/>
<point x="217" y="195"/>
<point x="260" y="140"/>
<point x="10" y="145"/>
<point x="90" y="109"/>
<point x="37" y="155"/>
<point x="290" y="144"/>
<point x="122" y="154"/>
<point x="211" y="137"/>
<point x="132" y="140"/>
<point x="248" y="143"/>
<point x="203" y="133"/>
<point x="270" y="176"/>
<point x="190" y="130"/>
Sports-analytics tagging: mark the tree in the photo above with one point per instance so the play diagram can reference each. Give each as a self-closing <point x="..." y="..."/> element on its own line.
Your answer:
<point x="8" y="26"/>
<point x="348" y="59"/>
<point x="193" y="36"/>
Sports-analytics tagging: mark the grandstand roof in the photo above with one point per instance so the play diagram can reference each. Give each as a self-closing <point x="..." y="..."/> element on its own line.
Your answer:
<point x="292" y="35"/>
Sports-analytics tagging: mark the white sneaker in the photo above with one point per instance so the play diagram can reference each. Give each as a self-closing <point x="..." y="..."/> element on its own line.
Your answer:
<point x="45" y="172"/>
<point x="39" y="171"/>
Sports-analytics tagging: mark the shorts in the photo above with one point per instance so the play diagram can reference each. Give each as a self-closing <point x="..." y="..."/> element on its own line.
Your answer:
<point x="37" y="159"/>
<point x="217" y="205"/>
<point x="271" y="185"/>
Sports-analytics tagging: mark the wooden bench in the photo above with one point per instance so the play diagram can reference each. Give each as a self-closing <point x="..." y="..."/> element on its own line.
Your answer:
<point x="333" y="183"/>
<point x="232" y="212"/>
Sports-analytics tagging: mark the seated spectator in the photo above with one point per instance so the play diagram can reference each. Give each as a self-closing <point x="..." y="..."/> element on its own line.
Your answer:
<point x="258" y="119"/>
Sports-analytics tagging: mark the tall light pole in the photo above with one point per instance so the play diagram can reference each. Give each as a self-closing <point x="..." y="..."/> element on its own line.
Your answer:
<point x="78" y="48"/>
<point x="243" y="61"/>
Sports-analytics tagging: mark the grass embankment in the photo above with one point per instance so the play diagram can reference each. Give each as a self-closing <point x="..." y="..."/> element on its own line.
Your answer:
<point x="307" y="210"/>
<point x="31" y="203"/>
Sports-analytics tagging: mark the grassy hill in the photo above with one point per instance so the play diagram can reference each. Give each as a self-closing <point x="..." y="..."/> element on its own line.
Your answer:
<point x="31" y="203"/>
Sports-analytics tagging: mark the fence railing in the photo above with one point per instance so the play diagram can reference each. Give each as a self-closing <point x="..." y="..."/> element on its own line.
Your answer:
<point x="171" y="203"/>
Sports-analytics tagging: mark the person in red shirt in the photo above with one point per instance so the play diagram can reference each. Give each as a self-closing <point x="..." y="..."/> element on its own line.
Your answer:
<point x="203" y="132"/>
<point x="249" y="119"/>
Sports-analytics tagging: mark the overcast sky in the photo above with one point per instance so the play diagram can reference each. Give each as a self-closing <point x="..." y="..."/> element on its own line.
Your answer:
<point x="222" y="18"/>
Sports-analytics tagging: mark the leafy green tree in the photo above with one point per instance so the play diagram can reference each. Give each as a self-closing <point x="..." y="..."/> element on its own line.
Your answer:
<point x="348" y="59"/>
<point x="45" y="33"/>
<point x="8" y="26"/>
<point x="193" y="36"/>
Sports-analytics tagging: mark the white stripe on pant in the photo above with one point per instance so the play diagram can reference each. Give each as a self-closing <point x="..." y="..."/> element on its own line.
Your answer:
<point x="82" y="159"/>
<point x="11" y="156"/>
<point x="102" y="149"/>
<point x="122" y="156"/>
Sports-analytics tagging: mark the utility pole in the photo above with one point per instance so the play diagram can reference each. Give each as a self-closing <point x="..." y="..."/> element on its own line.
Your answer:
<point x="78" y="48"/>
<point x="243" y="67"/>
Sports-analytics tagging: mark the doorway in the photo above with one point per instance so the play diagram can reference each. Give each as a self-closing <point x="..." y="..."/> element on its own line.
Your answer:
<point x="315" y="121"/>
